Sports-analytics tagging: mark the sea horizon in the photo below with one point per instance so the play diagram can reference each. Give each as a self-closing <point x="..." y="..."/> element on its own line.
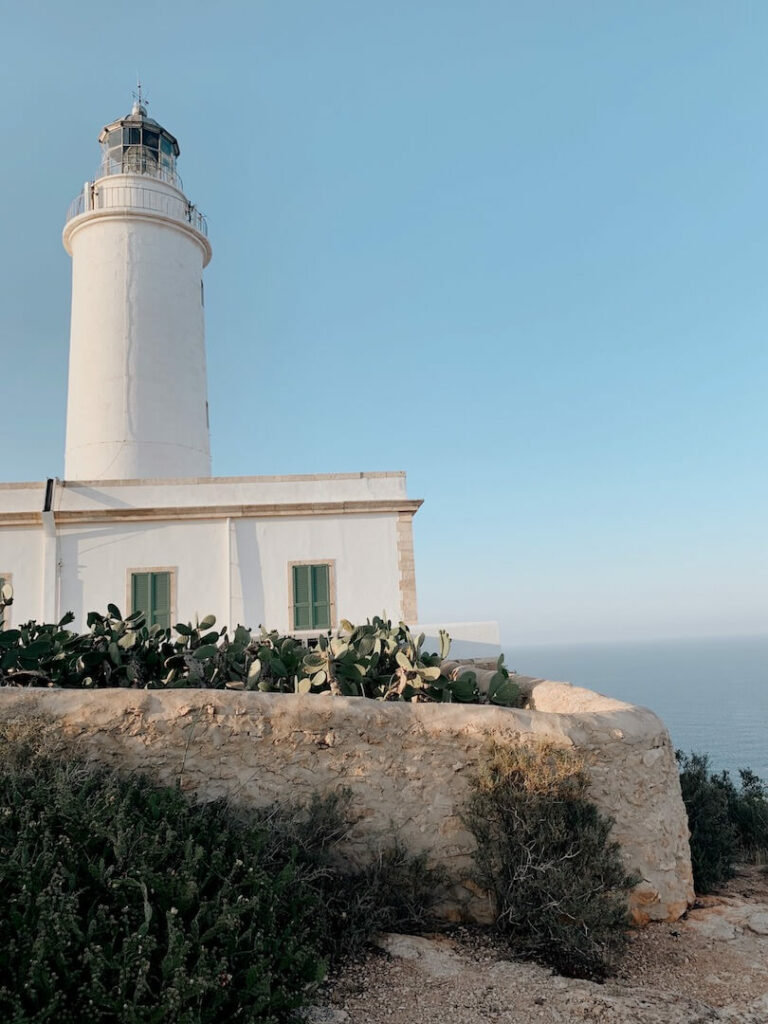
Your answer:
<point x="711" y="692"/>
<point x="682" y="637"/>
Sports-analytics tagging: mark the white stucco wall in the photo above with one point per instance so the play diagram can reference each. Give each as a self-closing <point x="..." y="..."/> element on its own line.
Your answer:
<point x="94" y="563"/>
<point x="186" y="492"/>
<point x="21" y="550"/>
<point x="245" y="490"/>
<point x="236" y="569"/>
<point x="23" y="497"/>
<point x="468" y="639"/>
<point x="236" y="566"/>
<point x="229" y="543"/>
<point x="137" y="373"/>
<point x="363" y="549"/>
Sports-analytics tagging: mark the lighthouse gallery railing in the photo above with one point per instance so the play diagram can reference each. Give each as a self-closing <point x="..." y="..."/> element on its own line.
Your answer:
<point x="134" y="196"/>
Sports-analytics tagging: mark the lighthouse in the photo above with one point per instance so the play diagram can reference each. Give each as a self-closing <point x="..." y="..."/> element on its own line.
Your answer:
<point x="138" y="520"/>
<point x="137" y="397"/>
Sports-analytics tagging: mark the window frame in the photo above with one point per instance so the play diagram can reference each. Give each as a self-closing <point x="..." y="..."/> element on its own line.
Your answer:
<point x="7" y="577"/>
<point x="315" y="630"/>
<point x="170" y="569"/>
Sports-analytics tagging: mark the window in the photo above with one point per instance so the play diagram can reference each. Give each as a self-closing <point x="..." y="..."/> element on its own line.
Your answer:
<point x="151" y="594"/>
<point x="5" y="577"/>
<point x="312" y="595"/>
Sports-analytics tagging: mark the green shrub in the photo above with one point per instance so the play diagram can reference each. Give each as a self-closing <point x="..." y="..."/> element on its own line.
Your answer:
<point x="727" y="822"/>
<point x="376" y="660"/>
<point x="713" y="837"/>
<point x="123" y="901"/>
<point x="394" y="891"/>
<point x="748" y="811"/>
<point x="544" y="854"/>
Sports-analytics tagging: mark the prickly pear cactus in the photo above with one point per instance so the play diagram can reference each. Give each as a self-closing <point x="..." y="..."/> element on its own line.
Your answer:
<point x="376" y="660"/>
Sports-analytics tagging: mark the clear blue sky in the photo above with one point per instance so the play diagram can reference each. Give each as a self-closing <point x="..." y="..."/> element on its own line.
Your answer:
<point x="518" y="249"/>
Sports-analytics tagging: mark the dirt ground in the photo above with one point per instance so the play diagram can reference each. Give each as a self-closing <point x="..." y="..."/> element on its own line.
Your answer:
<point x="710" y="966"/>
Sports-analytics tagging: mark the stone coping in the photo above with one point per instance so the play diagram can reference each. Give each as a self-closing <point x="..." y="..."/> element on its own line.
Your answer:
<point x="170" y="481"/>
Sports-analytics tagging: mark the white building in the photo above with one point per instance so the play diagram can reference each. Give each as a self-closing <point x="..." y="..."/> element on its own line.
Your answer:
<point x="139" y="521"/>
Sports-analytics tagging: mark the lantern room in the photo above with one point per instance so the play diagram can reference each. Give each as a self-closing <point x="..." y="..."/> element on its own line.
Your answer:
<point x="137" y="144"/>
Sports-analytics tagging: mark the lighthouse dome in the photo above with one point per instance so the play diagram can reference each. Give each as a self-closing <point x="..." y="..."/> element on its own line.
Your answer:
<point x="137" y="144"/>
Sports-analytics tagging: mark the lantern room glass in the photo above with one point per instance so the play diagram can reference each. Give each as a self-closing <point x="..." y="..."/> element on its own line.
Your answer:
<point x="139" y="149"/>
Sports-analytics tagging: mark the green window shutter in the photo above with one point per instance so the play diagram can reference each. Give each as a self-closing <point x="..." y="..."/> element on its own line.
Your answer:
<point x="302" y="598"/>
<point x="321" y="597"/>
<point x="311" y="597"/>
<point x="161" y="599"/>
<point x="151" y="594"/>
<point x="140" y="601"/>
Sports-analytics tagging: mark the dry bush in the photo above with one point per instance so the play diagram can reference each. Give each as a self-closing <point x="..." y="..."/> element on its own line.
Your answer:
<point x="544" y="853"/>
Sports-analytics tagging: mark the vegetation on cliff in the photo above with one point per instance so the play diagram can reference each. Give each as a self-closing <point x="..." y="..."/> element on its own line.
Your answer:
<point x="558" y="882"/>
<point x="124" y="901"/>
<point x="728" y="822"/>
<point x="376" y="660"/>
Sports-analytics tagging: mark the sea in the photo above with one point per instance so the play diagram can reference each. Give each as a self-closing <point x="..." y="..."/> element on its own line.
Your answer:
<point x="711" y="693"/>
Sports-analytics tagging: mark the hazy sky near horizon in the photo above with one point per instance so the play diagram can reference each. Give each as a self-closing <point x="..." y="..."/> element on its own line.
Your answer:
<point x="518" y="249"/>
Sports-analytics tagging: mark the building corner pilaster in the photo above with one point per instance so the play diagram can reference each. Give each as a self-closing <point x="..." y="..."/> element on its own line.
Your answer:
<point x="406" y="568"/>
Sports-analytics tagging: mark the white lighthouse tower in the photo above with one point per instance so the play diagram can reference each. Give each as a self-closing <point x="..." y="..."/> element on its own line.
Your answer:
<point x="138" y="520"/>
<point x="137" y="404"/>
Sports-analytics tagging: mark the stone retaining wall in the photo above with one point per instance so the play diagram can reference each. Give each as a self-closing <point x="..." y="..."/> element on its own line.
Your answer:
<point x="408" y="766"/>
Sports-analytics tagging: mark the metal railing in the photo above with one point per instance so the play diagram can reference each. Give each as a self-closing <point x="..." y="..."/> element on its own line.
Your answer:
<point x="138" y="163"/>
<point x="141" y="197"/>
